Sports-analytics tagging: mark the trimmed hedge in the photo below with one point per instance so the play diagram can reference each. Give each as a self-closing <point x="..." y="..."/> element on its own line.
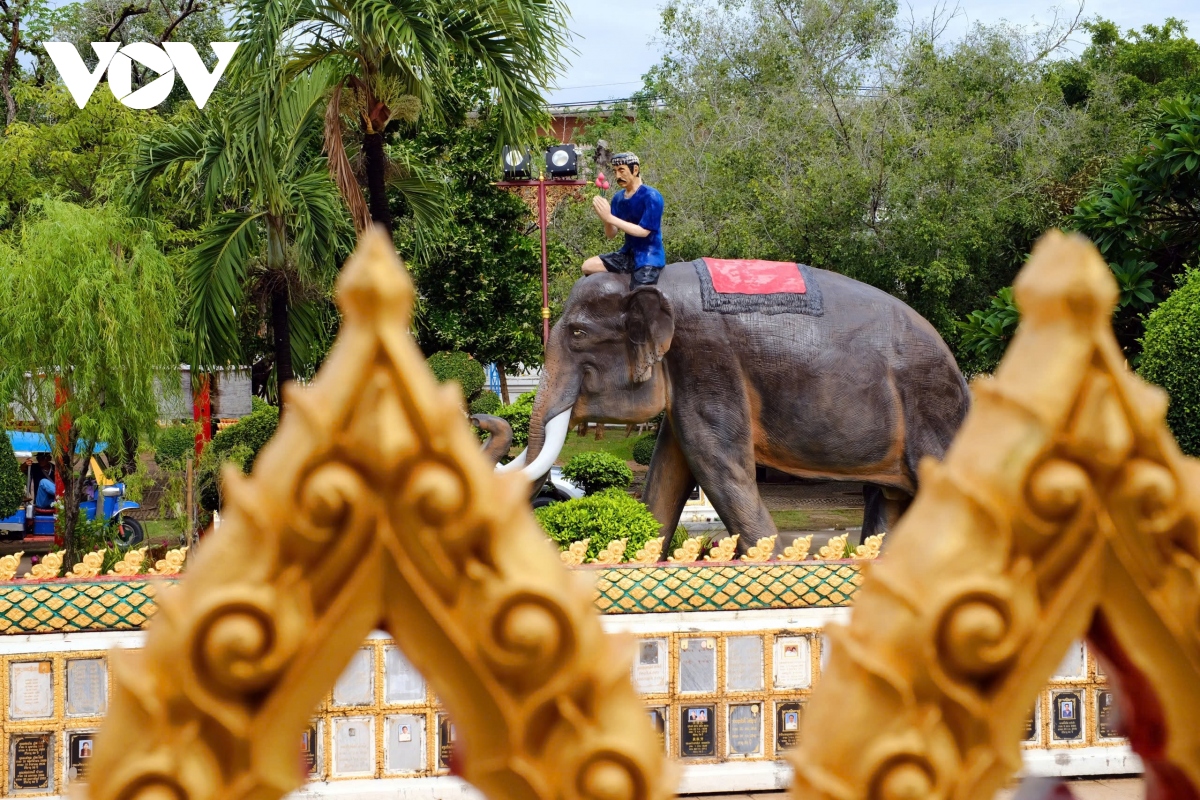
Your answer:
<point x="1169" y="359"/>
<point x="601" y="517"/>
<point x="452" y="365"/>
<point x="643" y="449"/>
<point x="174" y="444"/>
<point x="488" y="402"/>
<point x="12" y="482"/>
<point x="597" y="471"/>
<point x="238" y="443"/>
<point x="518" y="415"/>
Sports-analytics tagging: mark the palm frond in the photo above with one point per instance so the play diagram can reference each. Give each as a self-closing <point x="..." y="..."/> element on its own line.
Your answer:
<point x="339" y="164"/>
<point x="216" y="276"/>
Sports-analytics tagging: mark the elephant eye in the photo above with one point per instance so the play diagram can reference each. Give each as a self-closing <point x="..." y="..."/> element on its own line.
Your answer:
<point x="577" y="333"/>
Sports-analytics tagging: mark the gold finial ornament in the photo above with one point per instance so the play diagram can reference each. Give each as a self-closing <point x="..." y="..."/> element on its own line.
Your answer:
<point x="834" y="549"/>
<point x="649" y="553"/>
<point x="797" y="550"/>
<point x="373" y="507"/>
<point x="575" y="554"/>
<point x="90" y="566"/>
<point x="761" y="551"/>
<point x="688" y="552"/>
<point x="613" y="554"/>
<point x="131" y="564"/>
<point x="723" y="550"/>
<point x="49" y="567"/>
<point x="1063" y="508"/>
<point x="9" y="565"/>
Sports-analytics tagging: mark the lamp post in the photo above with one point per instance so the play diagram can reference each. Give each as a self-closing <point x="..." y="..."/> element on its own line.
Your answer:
<point x="561" y="164"/>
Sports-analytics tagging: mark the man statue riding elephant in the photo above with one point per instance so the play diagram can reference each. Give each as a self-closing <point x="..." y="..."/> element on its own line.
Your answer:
<point x="755" y="363"/>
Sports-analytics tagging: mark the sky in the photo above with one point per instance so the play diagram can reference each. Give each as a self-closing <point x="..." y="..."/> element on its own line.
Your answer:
<point x="607" y="67"/>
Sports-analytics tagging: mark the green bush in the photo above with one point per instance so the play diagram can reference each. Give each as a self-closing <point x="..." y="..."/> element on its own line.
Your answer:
<point x="12" y="482"/>
<point x="175" y="443"/>
<point x="451" y="365"/>
<point x="596" y="471"/>
<point x="239" y="443"/>
<point x="518" y="415"/>
<point x="1169" y="359"/>
<point x="601" y="517"/>
<point x="643" y="449"/>
<point x="488" y="402"/>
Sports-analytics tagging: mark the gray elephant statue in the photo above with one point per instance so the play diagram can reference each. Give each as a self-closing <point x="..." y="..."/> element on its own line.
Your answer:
<point x="756" y="363"/>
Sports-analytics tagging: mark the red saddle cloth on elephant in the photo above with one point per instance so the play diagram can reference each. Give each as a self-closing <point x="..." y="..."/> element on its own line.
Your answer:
<point x="745" y="286"/>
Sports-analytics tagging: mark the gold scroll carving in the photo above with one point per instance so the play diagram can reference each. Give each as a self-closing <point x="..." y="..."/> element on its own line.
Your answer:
<point x="372" y="507"/>
<point x="1063" y="508"/>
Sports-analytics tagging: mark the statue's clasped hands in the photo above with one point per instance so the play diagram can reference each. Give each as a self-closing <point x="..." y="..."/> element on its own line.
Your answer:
<point x="601" y="207"/>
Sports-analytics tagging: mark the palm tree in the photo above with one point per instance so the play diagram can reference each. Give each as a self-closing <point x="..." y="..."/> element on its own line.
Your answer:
<point x="275" y="224"/>
<point x="394" y="59"/>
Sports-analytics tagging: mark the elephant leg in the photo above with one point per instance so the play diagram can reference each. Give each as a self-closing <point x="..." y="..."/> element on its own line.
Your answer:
<point x="723" y="463"/>
<point x="669" y="481"/>
<point x="895" y="503"/>
<point x="874" y="512"/>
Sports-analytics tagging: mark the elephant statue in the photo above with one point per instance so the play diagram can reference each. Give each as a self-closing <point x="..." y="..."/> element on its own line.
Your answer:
<point x="800" y="369"/>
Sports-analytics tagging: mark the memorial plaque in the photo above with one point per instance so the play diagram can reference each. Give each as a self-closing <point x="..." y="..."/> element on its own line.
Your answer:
<point x="698" y="731"/>
<point x="745" y="730"/>
<point x="402" y="682"/>
<point x="743" y="664"/>
<point x="698" y="665"/>
<point x="1032" y="725"/>
<point x="87" y="687"/>
<point x="1107" y="718"/>
<point x="1067" y="708"/>
<point x="79" y="753"/>
<point x="353" y="746"/>
<point x="793" y="662"/>
<point x="356" y="685"/>
<point x="787" y="725"/>
<point x="658" y="720"/>
<point x="30" y="690"/>
<point x="446" y="736"/>
<point x="405" y="743"/>
<point x="29" y="759"/>
<point x="1074" y="663"/>
<point x="650" y="669"/>
<point x="310" y="748"/>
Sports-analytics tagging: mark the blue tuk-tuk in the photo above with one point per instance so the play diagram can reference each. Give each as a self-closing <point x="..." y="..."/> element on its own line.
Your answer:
<point x="100" y="491"/>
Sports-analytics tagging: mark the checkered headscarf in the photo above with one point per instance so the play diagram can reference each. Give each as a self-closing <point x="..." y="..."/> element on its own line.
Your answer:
<point x="628" y="159"/>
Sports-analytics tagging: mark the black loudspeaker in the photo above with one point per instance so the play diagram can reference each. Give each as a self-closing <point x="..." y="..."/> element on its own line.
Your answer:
<point x="561" y="161"/>
<point x="516" y="163"/>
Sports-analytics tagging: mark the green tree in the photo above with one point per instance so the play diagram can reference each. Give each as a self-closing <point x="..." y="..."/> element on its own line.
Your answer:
<point x="1169" y="359"/>
<point x="393" y="61"/>
<point x="275" y="228"/>
<point x="92" y="333"/>
<point x="12" y="483"/>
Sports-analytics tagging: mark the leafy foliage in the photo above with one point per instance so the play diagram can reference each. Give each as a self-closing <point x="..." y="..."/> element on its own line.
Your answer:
<point x="600" y="517"/>
<point x="488" y="402"/>
<point x="597" y="471"/>
<point x="174" y="444"/>
<point x="1169" y="359"/>
<point x="643" y="449"/>
<point x="517" y="414"/>
<point x="984" y="335"/>
<point x="240" y="444"/>
<point x="448" y="365"/>
<point x="12" y="483"/>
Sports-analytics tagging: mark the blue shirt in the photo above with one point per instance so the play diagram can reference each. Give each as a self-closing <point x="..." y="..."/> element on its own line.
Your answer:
<point x="644" y="208"/>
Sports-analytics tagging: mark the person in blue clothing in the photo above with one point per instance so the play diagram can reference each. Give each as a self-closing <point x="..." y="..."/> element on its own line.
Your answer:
<point x="638" y="213"/>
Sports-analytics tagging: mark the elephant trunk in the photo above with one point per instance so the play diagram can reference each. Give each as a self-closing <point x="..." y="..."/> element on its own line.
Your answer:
<point x="500" y="436"/>
<point x="550" y="420"/>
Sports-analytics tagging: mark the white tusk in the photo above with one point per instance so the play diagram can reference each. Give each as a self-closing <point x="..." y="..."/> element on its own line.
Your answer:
<point x="515" y="464"/>
<point x="556" y="437"/>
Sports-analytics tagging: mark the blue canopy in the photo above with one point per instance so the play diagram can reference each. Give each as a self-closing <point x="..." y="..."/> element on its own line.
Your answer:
<point x="25" y="444"/>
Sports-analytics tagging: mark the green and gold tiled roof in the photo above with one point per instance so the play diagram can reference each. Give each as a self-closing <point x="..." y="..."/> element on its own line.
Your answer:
<point x="66" y="606"/>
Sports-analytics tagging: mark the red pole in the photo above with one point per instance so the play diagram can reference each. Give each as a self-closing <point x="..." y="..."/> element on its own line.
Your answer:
<point x="545" y="280"/>
<point x="202" y="413"/>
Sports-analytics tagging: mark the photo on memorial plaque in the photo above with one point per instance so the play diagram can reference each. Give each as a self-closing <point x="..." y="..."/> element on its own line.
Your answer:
<point x="29" y="758"/>
<point x="445" y="741"/>
<point x="697" y="732"/>
<point x="1074" y="663"/>
<point x="30" y="690"/>
<point x="698" y="665"/>
<point x="651" y="673"/>
<point x="658" y="721"/>
<point x="744" y="664"/>
<point x="87" y="687"/>
<point x="402" y="682"/>
<point x="1033" y="727"/>
<point x="744" y="730"/>
<point x="356" y="685"/>
<point x="793" y="662"/>
<point x="79" y="753"/>
<point x="353" y="746"/>
<point x="311" y="747"/>
<point x="1108" y="722"/>
<point x="1067" y="722"/>
<point x="787" y="725"/>
<point x="405" y="745"/>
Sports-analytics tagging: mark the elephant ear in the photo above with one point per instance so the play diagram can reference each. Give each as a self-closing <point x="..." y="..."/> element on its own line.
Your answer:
<point x="649" y="326"/>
